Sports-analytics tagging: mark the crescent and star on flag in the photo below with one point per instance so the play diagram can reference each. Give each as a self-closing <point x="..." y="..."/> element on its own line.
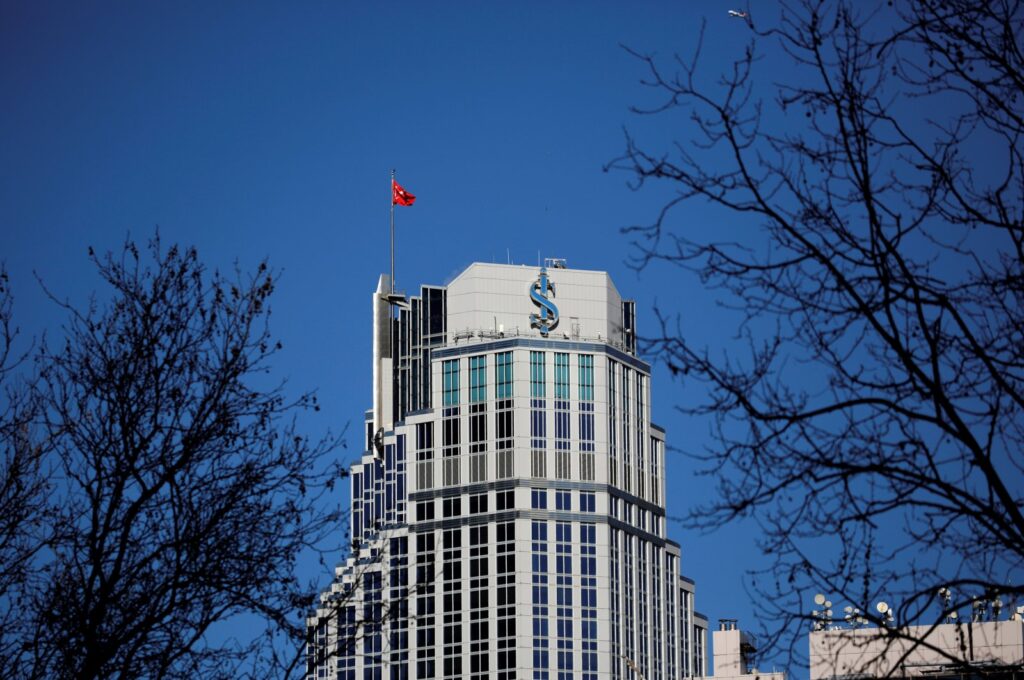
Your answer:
<point x="400" y="196"/>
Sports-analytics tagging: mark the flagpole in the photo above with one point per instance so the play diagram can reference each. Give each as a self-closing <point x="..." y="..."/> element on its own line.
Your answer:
<point x="392" y="187"/>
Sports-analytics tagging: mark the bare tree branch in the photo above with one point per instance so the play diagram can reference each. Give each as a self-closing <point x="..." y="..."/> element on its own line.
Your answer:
<point x="871" y="419"/>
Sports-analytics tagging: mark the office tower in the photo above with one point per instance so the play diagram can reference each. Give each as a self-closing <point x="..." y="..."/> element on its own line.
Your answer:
<point x="508" y="514"/>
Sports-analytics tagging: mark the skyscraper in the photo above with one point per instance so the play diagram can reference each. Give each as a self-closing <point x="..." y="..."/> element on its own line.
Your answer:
<point x="508" y="514"/>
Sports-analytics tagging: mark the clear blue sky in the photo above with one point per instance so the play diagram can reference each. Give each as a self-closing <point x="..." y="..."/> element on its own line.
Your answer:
<point x="258" y="130"/>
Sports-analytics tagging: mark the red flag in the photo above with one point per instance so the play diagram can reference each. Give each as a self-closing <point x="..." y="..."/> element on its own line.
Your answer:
<point x="400" y="196"/>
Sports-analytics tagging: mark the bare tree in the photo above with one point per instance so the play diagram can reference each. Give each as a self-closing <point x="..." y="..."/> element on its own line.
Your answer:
<point x="868" y="412"/>
<point x="182" y="491"/>
<point x="22" y="491"/>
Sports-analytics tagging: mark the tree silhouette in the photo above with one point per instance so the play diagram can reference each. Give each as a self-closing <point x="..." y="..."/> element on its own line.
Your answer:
<point x="868" y="415"/>
<point x="22" y="491"/>
<point x="181" y="491"/>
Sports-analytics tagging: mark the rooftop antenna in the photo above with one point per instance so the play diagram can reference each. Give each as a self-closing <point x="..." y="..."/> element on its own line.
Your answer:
<point x="885" y="611"/>
<point x="854" y="616"/>
<point x="947" y="598"/>
<point x="823" y="617"/>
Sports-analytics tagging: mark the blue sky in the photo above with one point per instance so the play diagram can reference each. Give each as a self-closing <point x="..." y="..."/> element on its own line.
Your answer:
<point x="257" y="130"/>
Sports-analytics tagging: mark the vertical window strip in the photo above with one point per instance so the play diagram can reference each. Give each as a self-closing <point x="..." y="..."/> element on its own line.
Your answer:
<point x="586" y="393"/>
<point x="477" y="379"/>
<point x="626" y="423"/>
<point x="616" y="618"/>
<point x="643" y="608"/>
<point x="503" y="375"/>
<point x="670" y="615"/>
<point x="506" y="610"/>
<point x="613" y="425"/>
<point x="642" y="477"/>
<point x="426" y="567"/>
<point x="537" y="375"/>
<point x="503" y="414"/>
<point x="629" y="596"/>
<point x="586" y="377"/>
<point x="539" y="578"/>
<point x="451" y="382"/>
<point x="562" y="432"/>
<point x="538" y="415"/>
<point x="561" y="375"/>
<point x="479" y="628"/>
<point x="656" y="462"/>
<point x="452" y="603"/>
<point x="538" y="426"/>
<point x="401" y="478"/>
<point x="588" y="596"/>
<point x="656" y="619"/>
<point x="565" y="610"/>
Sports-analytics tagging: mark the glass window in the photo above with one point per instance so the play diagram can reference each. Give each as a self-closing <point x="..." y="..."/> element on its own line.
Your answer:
<point x="562" y="501"/>
<point x="451" y="382"/>
<point x="503" y="375"/>
<point x="477" y="379"/>
<point x="537" y="375"/>
<point x="561" y="375"/>
<point x="587" y="501"/>
<point x="539" y="499"/>
<point x="424" y="441"/>
<point x="586" y="377"/>
<point x="505" y="500"/>
<point x="477" y="503"/>
<point x="424" y="511"/>
<point x="452" y="507"/>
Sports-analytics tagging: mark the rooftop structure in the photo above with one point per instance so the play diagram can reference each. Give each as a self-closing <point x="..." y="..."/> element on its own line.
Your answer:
<point x="734" y="653"/>
<point x="991" y="649"/>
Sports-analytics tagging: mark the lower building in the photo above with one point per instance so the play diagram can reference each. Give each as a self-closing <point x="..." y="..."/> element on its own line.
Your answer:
<point x="734" y="651"/>
<point x="508" y="513"/>
<point x="968" y="649"/>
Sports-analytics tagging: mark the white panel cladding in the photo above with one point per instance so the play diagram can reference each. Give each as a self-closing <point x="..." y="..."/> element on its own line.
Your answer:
<point x="496" y="297"/>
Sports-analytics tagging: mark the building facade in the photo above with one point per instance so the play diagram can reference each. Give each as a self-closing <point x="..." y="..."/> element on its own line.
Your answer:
<point x="958" y="650"/>
<point x="508" y="514"/>
<point x="734" y="654"/>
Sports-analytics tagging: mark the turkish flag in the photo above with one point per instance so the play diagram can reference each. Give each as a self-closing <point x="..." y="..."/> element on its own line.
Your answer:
<point x="400" y="196"/>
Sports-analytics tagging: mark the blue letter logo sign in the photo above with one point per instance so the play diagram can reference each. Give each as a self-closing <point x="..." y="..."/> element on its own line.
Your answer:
<point x="548" y="317"/>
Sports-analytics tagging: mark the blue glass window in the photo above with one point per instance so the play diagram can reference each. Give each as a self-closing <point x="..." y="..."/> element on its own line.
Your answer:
<point x="586" y="366"/>
<point x="562" y="425"/>
<point x="561" y="375"/>
<point x="503" y="375"/>
<point x="537" y="375"/>
<point x="450" y="370"/>
<point x="563" y="532"/>
<point x="477" y="379"/>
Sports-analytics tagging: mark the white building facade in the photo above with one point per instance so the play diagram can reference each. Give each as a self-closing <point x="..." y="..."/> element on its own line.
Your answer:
<point x="959" y="650"/>
<point x="508" y="515"/>
<point x="734" y="654"/>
